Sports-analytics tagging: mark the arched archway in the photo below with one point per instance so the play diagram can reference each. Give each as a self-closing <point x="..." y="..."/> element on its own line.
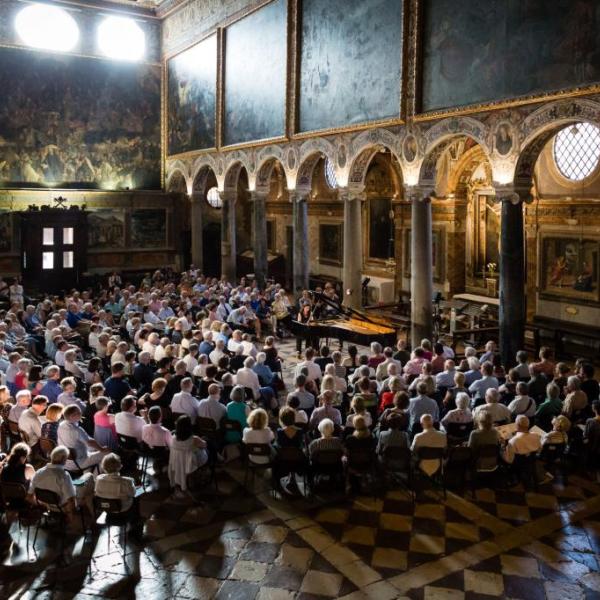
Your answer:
<point x="177" y="186"/>
<point x="206" y="222"/>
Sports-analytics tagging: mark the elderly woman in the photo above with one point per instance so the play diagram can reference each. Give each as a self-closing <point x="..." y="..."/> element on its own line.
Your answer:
<point x="112" y="485"/>
<point x="575" y="399"/>
<point x="396" y="384"/>
<point x="461" y="414"/>
<point x="484" y="435"/>
<point x="327" y="441"/>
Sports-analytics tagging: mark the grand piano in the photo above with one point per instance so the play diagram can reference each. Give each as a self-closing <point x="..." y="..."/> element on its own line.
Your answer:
<point x="345" y="324"/>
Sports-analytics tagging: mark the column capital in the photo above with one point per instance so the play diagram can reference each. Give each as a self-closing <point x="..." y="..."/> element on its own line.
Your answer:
<point x="419" y="193"/>
<point x="349" y="194"/>
<point x="513" y="194"/>
<point x="228" y="196"/>
<point x="297" y="196"/>
<point x="258" y="195"/>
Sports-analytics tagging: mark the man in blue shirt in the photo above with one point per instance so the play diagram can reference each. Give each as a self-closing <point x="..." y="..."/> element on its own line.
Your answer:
<point x="73" y="317"/>
<point x="52" y="388"/>
<point x="422" y="405"/>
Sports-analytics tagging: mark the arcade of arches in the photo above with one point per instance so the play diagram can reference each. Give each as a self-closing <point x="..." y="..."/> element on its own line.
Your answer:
<point x="548" y="221"/>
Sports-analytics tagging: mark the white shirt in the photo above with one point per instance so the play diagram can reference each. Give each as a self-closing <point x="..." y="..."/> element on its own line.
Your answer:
<point x="249" y="379"/>
<point x="75" y="438"/>
<point x="55" y="479"/>
<point x="185" y="403"/>
<point x="223" y="311"/>
<point x="191" y="363"/>
<point x="258" y="436"/>
<point x="215" y="355"/>
<point x="156" y="436"/>
<point x="522" y="443"/>
<point x="314" y="371"/>
<point x="211" y="408"/>
<point x="30" y="423"/>
<point x="127" y="423"/>
<point x="233" y="345"/>
<point x="116" y="487"/>
<point x="149" y="347"/>
<point x="498" y="411"/>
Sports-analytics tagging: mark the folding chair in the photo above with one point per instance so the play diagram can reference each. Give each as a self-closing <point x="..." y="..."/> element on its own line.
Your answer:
<point x="458" y="432"/>
<point x="256" y="450"/>
<point x="396" y="462"/>
<point x="114" y="518"/>
<point x="328" y="463"/>
<point x="290" y="460"/>
<point x="13" y="498"/>
<point x="436" y="478"/>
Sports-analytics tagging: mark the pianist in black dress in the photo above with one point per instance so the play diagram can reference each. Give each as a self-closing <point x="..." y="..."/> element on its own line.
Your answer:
<point x="304" y="335"/>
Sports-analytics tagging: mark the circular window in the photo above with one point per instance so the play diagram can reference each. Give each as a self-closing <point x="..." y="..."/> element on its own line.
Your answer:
<point x="577" y="151"/>
<point x="47" y="27"/>
<point x="330" y="174"/>
<point x="214" y="198"/>
<point x="121" y="38"/>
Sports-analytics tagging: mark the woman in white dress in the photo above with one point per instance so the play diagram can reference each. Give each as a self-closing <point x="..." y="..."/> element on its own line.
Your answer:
<point x="188" y="453"/>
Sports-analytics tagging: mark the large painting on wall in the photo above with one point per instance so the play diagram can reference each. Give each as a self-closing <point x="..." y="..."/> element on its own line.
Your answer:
<point x="106" y="228"/>
<point x="331" y="243"/>
<point x="381" y="229"/>
<point x="503" y="49"/>
<point x="77" y="122"/>
<point x="350" y="62"/>
<point x="570" y="268"/>
<point x="192" y="98"/>
<point x="255" y="76"/>
<point x="148" y="228"/>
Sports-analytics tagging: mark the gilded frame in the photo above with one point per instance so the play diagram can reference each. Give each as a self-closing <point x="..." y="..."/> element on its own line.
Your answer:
<point x="323" y="235"/>
<point x="165" y="115"/>
<point x="290" y="8"/>
<point x="564" y="294"/>
<point x="481" y="107"/>
<point x="294" y="114"/>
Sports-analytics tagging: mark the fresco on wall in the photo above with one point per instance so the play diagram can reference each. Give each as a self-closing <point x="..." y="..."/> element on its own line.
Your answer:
<point x="570" y="268"/>
<point x="192" y="97"/>
<point x="350" y="63"/>
<point x="331" y="243"/>
<point x="255" y="75"/>
<point x="507" y="48"/>
<point x="77" y="122"/>
<point x="106" y="228"/>
<point x="148" y="228"/>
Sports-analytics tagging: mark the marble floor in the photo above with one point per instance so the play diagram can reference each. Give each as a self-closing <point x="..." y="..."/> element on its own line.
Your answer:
<point x="245" y="543"/>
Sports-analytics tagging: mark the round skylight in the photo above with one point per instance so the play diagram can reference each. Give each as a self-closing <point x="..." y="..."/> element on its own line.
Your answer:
<point x="330" y="174"/>
<point x="47" y="27"/>
<point x="214" y="198"/>
<point x="577" y="151"/>
<point x="121" y="38"/>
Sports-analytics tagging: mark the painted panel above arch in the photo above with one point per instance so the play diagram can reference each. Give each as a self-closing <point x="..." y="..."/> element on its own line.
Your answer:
<point x="350" y="67"/>
<point x="192" y="98"/>
<point x="500" y="50"/>
<point x="254" y="96"/>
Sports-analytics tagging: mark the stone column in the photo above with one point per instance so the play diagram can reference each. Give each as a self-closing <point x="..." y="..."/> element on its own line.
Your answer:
<point x="513" y="302"/>
<point x="196" y="228"/>
<point x="353" y="253"/>
<point x="228" y="249"/>
<point x="259" y="200"/>
<point x="421" y="265"/>
<point x="299" y="202"/>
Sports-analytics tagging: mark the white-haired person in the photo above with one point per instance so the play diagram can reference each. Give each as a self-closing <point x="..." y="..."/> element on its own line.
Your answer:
<point x="428" y="438"/>
<point x="327" y="441"/>
<point x="111" y="485"/>
<point x="23" y="401"/>
<point x="54" y="478"/>
<point x="461" y="414"/>
<point x="499" y="412"/>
